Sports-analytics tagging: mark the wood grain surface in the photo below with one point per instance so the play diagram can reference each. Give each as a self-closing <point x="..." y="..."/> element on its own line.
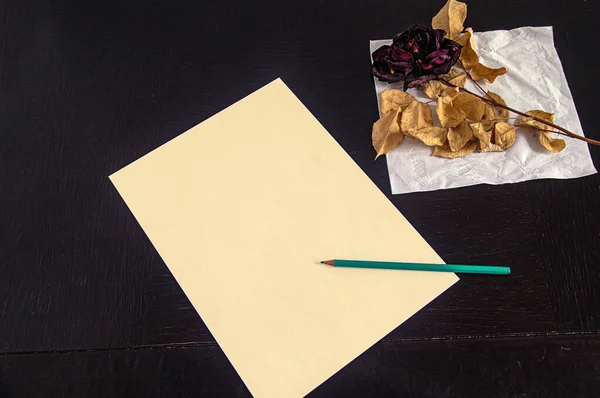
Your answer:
<point x="514" y="367"/>
<point x="87" y="307"/>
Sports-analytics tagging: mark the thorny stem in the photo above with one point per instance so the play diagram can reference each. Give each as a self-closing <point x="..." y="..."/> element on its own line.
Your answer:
<point x="494" y="103"/>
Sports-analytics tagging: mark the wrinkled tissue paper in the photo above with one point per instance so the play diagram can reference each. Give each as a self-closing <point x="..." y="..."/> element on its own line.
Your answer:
<point x="535" y="80"/>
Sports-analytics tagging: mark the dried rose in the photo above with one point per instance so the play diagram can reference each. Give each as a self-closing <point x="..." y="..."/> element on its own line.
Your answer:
<point x="416" y="56"/>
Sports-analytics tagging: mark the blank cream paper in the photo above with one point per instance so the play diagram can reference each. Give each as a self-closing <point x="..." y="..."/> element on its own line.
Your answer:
<point x="242" y="208"/>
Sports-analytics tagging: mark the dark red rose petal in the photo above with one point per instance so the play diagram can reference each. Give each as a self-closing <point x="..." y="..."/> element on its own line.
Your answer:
<point x="387" y="77"/>
<point x="382" y="54"/>
<point x="400" y="60"/>
<point x="416" y="56"/>
<point x="381" y="69"/>
<point x="411" y="81"/>
<point x="399" y="55"/>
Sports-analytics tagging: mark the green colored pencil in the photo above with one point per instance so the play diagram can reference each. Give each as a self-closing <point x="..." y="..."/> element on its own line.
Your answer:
<point x="463" y="269"/>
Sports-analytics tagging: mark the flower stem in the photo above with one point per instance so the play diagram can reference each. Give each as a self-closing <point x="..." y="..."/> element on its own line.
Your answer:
<point x="494" y="103"/>
<point x="471" y="77"/>
<point x="553" y="131"/>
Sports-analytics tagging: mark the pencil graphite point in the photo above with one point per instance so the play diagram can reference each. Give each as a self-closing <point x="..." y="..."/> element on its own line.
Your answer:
<point x="328" y="262"/>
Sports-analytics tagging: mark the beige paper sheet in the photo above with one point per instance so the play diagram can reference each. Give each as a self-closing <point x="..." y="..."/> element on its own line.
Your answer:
<point x="243" y="206"/>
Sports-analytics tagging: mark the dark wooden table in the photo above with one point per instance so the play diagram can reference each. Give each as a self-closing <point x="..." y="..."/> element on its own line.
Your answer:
<point x="88" y="308"/>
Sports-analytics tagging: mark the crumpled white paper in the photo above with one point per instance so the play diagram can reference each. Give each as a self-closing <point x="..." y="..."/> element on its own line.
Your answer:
<point x="535" y="80"/>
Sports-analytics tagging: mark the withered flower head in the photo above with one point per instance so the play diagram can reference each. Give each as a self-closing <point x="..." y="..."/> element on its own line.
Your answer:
<point x="416" y="56"/>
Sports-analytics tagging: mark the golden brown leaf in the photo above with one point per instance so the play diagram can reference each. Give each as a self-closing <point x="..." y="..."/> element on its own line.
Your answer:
<point x="416" y="117"/>
<point x="493" y="148"/>
<point x="473" y="107"/>
<point x="483" y="132"/>
<point x="431" y="136"/>
<point x="551" y="144"/>
<point x="504" y="134"/>
<point x="456" y="77"/>
<point x="451" y="92"/>
<point x="392" y="99"/>
<point x="488" y="125"/>
<point x="464" y="38"/>
<point x="451" y="18"/>
<point x="468" y="54"/>
<point x="459" y="136"/>
<point x="479" y="72"/>
<point x="434" y="88"/>
<point x="386" y="133"/>
<point x="449" y="115"/>
<point x="445" y="151"/>
<point x="495" y="113"/>
<point x="529" y="122"/>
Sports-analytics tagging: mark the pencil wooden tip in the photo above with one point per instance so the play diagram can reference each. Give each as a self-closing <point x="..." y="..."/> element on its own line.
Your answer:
<point x="328" y="262"/>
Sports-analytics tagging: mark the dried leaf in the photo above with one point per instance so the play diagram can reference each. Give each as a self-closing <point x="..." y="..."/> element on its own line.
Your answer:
<point x="496" y="113"/>
<point x="456" y="77"/>
<point x="468" y="53"/>
<point x="434" y="88"/>
<point x="493" y="148"/>
<point x="551" y="144"/>
<point x="449" y="115"/>
<point x="479" y="72"/>
<point x="504" y="134"/>
<point x="459" y="136"/>
<point x="483" y="132"/>
<point x="451" y="18"/>
<point x="473" y="107"/>
<point x="386" y="133"/>
<point x="392" y="99"/>
<point x="451" y="92"/>
<point x="431" y="136"/>
<point x="488" y="124"/>
<point x="416" y="117"/>
<point x="529" y="122"/>
<point x="445" y="152"/>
